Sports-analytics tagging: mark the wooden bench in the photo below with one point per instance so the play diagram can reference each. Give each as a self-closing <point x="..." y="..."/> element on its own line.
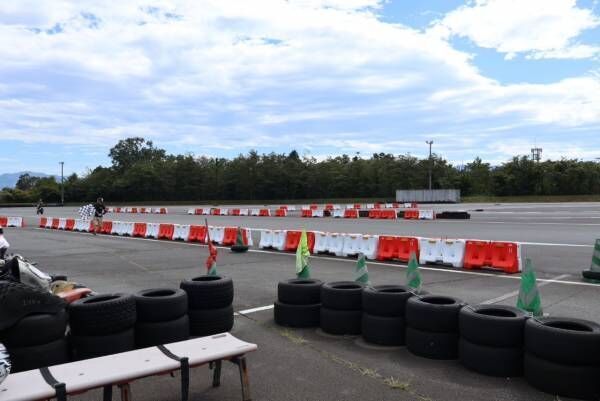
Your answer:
<point x="59" y="381"/>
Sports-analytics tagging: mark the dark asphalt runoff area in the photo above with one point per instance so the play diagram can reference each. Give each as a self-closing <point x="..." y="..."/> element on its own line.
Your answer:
<point x="306" y="364"/>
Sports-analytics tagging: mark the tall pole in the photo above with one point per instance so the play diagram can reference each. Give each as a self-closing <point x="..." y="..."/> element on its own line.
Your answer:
<point x="62" y="183"/>
<point x="430" y="162"/>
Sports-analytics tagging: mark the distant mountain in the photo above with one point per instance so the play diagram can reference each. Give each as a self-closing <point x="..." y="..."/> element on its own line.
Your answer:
<point x="10" y="179"/>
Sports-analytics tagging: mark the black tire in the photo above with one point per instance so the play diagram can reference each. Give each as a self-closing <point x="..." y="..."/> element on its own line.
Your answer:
<point x="58" y="277"/>
<point x="491" y="361"/>
<point x="156" y="333"/>
<point x="493" y="325"/>
<point x="39" y="356"/>
<point x="299" y="291"/>
<point x="239" y="248"/>
<point x="341" y="321"/>
<point x="433" y="313"/>
<point x="85" y="347"/>
<point x="102" y="314"/>
<point x="385" y="300"/>
<point x="383" y="330"/>
<point x="208" y="292"/>
<point x="591" y="275"/>
<point x="579" y="382"/>
<point x="40" y="328"/>
<point x="210" y="321"/>
<point x="432" y="345"/>
<point x="297" y="315"/>
<point x="342" y="295"/>
<point x="564" y="340"/>
<point x="363" y="213"/>
<point x="160" y="304"/>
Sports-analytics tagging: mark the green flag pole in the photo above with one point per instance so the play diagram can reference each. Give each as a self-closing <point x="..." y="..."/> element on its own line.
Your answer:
<point x="413" y="275"/>
<point x="361" y="273"/>
<point x="595" y="266"/>
<point x="302" y="254"/>
<point x="529" y="296"/>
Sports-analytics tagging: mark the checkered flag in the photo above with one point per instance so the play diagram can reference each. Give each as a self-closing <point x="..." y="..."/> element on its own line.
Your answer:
<point x="86" y="212"/>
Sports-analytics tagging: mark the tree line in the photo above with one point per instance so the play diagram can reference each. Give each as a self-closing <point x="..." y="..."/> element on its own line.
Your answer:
<point x="142" y="172"/>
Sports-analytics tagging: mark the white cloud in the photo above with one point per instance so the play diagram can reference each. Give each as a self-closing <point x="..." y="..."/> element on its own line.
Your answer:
<point x="538" y="28"/>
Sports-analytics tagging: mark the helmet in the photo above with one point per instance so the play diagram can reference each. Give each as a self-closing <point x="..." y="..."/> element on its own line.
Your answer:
<point x="4" y="363"/>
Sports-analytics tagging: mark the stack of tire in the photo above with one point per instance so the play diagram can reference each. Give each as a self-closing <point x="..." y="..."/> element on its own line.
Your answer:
<point x="341" y="307"/>
<point x="562" y="356"/>
<point x="102" y="325"/>
<point x="33" y="325"/>
<point x="383" y="311"/>
<point x="491" y="339"/>
<point x="210" y="307"/>
<point x="162" y="317"/>
<point x="432" y="326"/>
<point x="298" y="303"/>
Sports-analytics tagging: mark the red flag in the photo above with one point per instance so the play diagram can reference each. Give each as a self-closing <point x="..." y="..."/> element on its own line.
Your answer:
<point x="212" y="251"/>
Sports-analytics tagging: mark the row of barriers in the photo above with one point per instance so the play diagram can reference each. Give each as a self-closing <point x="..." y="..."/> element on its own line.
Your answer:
<point x="409" y="214"/>
<point x="148" y="210"/>
<point x="458" y="253"/>
<point x="11" y="221"/>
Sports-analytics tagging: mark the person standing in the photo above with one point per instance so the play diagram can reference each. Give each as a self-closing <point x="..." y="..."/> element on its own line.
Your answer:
<point x="40" y="207"/>
<point x="99" y="212"/>
<point x="4" y="245"/>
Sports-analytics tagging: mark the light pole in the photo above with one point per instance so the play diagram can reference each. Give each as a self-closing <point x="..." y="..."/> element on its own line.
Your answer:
<point x="430" y="160"/>
<point x="62" y="184"/>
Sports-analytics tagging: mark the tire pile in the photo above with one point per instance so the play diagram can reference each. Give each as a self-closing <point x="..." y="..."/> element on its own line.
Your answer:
<point x="210" y="307"/>
<point x="383" y="310"/>
<point x="162" y="317"/>
<point x="298" y="303"/>
<point x="102" y="325"/>
<point x="341" y="307"/>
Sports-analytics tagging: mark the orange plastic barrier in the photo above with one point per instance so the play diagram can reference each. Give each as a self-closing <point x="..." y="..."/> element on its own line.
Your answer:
<point x="118" y="210"/>
<point x="230" y="236"/>
<point x="280" y="212"/>
<point x="329" y="206"/>
<point x="55" y="224"/>
<point x="163" y="210"/>
<point x="391" y="247"/>
<point x="495" y="254"/>
<point x="387" y="214"/>
<point x="395" y="205"/>
<point x="377" y="205"/>
<point x="374" y="214"/>
<point x="357" y="206"/>
<point x="134" y="210"/>
<point x="235" y="212"/>
<point x="197" y="234"/>
<point x="284" y="207"/>
<point x="264" y="212"/>
<point x="165" y="231"/>
<point x="70" y="224"/>
<point x="411" y="214"/>
<point x="215" y="211"/>
<point x="307" y="213"/>
<point x="314" y="207"/>
<point x="292" y="239"/>
<point x="139" y="230"/>
<point x="351" y="214"/>
<point x="43" y="221"/>
<point x="4" y="221"/>
<point x="106" y="227"/>
<point x="142" y="210"/>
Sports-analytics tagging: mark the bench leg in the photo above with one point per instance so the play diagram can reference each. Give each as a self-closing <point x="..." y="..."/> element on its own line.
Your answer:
<point x="241" y="362"/>
<point x="125" y="392"/>
<point x="217" y="373"/>
<point x="107" y="393"/>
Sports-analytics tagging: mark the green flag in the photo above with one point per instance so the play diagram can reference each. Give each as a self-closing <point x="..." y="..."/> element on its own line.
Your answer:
<point x="239" y="239"/>
<point x="302" y="254"/>
<point x="529" y="296"/>
<point x="413" y="276"/>
<point x="595" y="267"/>
<point x="361" y="274"/>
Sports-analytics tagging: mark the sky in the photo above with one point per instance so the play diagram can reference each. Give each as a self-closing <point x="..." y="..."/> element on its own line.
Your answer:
<point x="481" y="78"/>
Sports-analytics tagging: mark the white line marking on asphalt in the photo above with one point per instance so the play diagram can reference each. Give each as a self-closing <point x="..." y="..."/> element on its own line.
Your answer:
<point x="258" y="309"/>
<point x="515" y="293"/>
<point x="336" y="259"/>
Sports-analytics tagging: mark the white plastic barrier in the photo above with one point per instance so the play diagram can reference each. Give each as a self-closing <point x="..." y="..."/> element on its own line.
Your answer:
<point x="254" y="212"/>
<point x="338" y="213"/>
<point x="317" y="213"/>
<point x="14" y="221"/>
<point x="181" y="232"/>
<point x="335" y="243"/>
<point x="152" y="230"/>
<point x="266" y="239"/>
<point x="349" y="206"/>
<point x="249" y="236"/>
<point x="320" y="242"/>
<point x="370" y="206"/>
<point x="48" y="222"/>
<point x="223" y="212"/>
<point x="426" y="214"/>
<point x="430" y="250"/>
<point x="353" y="244"/>
<point x="305" y="207"/>
<point x="291" y="208"/>
<point x="62" y="223"/>
<point x="206" y="211"/>
<point x="453" y="252"/>
<point x="127" y="228"/>
<point x="336" y="207"/>
<point x="279" y="239"/>
<point x="116" y="227"/>
<point x="243" y="212"/>
<point x="408" y="205"/>
<point x="216" y="234"/>
<point x="191" y="211"/>
<point x="389" y="205"/>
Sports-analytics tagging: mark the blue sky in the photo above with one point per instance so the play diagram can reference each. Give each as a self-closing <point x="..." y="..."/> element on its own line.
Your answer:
<point x="487" y="78"/>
